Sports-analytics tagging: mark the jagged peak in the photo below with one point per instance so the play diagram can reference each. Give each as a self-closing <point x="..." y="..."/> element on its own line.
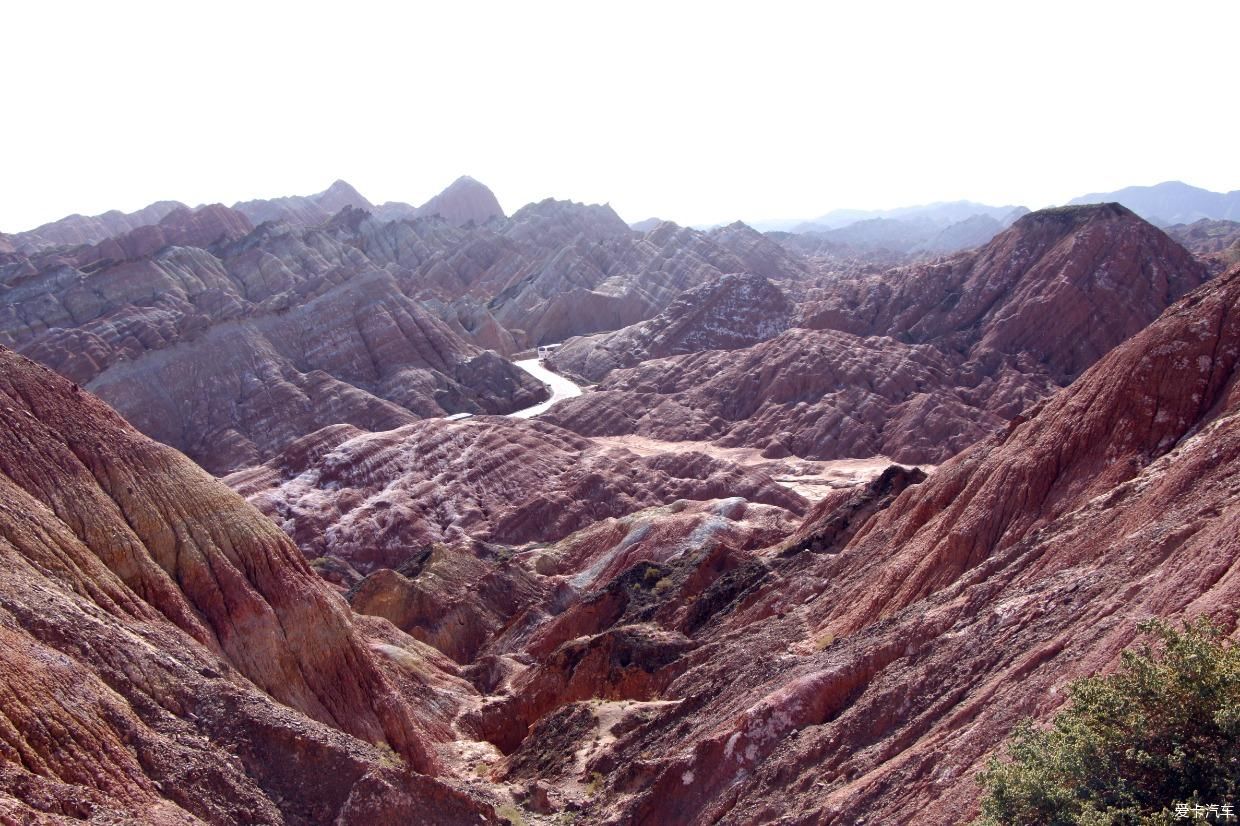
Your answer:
<point x="349" y="216"/>
<point x="556" y="206"/>
<point x="340" y="185"/>
<point x="339" y="195"/>
<point x="466" y="181"/>
<point x="464" y="201"/>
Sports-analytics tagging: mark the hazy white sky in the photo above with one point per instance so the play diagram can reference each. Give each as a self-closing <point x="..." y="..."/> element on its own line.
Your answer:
<point x="698" y="112"/>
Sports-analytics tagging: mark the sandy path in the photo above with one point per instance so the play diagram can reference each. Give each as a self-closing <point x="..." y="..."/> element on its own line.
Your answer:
<point x="561" y="388"/>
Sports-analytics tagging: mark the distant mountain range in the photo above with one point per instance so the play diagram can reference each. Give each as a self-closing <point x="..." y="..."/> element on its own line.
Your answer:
<point x="1171" y="202"/>
<point x="930" y="229"/>
<point x="932" y="232"/>
<point x="464" y="201"/>
<point x="1164" y="204"/>
<point x="942" y="214"/>
<point x="950" y="226"/>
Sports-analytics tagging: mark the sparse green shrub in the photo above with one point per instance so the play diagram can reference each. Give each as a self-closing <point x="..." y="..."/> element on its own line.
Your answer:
<point x="512" y="814"/>
<point x="388" y="755"/>
<point x="1129" y="747"/>
<point x="595" y="784"/>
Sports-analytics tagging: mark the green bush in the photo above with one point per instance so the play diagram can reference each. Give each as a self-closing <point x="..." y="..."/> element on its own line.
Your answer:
<point x="1128" y="747"/>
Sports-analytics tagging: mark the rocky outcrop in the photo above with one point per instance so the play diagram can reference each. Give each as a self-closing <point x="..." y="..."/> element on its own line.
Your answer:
<point x="732" y="312"/>
<point x="230" y="353"/>
<point x="1062" y="286"/>
<point x="203" y="227"/>
<point x="374" y="499"/>
<point x="1217" y="243"/>
<point x="557" y="269"/>
<point x="457" y="599"/>
<point x="818" y="394"/>
<point x="362" y="354"/>
<point x="228" y="342"/>
<point x="1206" y="236"/>
<point x="610" y="277"/>
<point x="868" y="664"/>
<point x="759" y="254"/>
<point x="169" y="657"/>
<point x="950" y="352"/>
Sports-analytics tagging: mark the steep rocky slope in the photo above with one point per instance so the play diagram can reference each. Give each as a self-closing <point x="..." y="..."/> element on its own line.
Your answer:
<point x="202" y="227"/>
<point x="1217" y="243"/>
<point x="607" y="277"/>
<point x="715" y="662"/>
<point x="1206" y="236"/>
<point x="1062" y="286"/>
<point x="942" y="353"/>
<point x="818" y="394"/>
<point x="228" y="340"/>
<point x="167" y="655"/>
<point x="869" y="677"/>
<point x="863" y="665"/>
<point x="229" y="351"/>
<point x="732" y="312"/>
<point x="623" y="634"/>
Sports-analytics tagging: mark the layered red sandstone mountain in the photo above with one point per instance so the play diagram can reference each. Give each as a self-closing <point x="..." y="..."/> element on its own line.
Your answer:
<point x="714" y="661"/>
<point x="604" y="626"/>
<point x="228" y="341"/>
<point x="915" y="363"/>
<point x="465" y="201"/>
<point x="76" y="230"/>
<point x="231" y="350"/>
<point x="869" y="675"/>
<point x="1062" y="286"/>
<point x="305" y="210"/>
<point x="1217" y="243"/>
<point x="168" y="657"/>
<point x="202" y="227"/>
<point x="732" y="312"/>
<point x="817" y="394"/>
<point x="373" y="499"/>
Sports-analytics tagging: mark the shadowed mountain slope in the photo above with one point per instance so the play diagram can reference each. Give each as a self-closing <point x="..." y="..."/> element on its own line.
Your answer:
<point x="169" y="657"/>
